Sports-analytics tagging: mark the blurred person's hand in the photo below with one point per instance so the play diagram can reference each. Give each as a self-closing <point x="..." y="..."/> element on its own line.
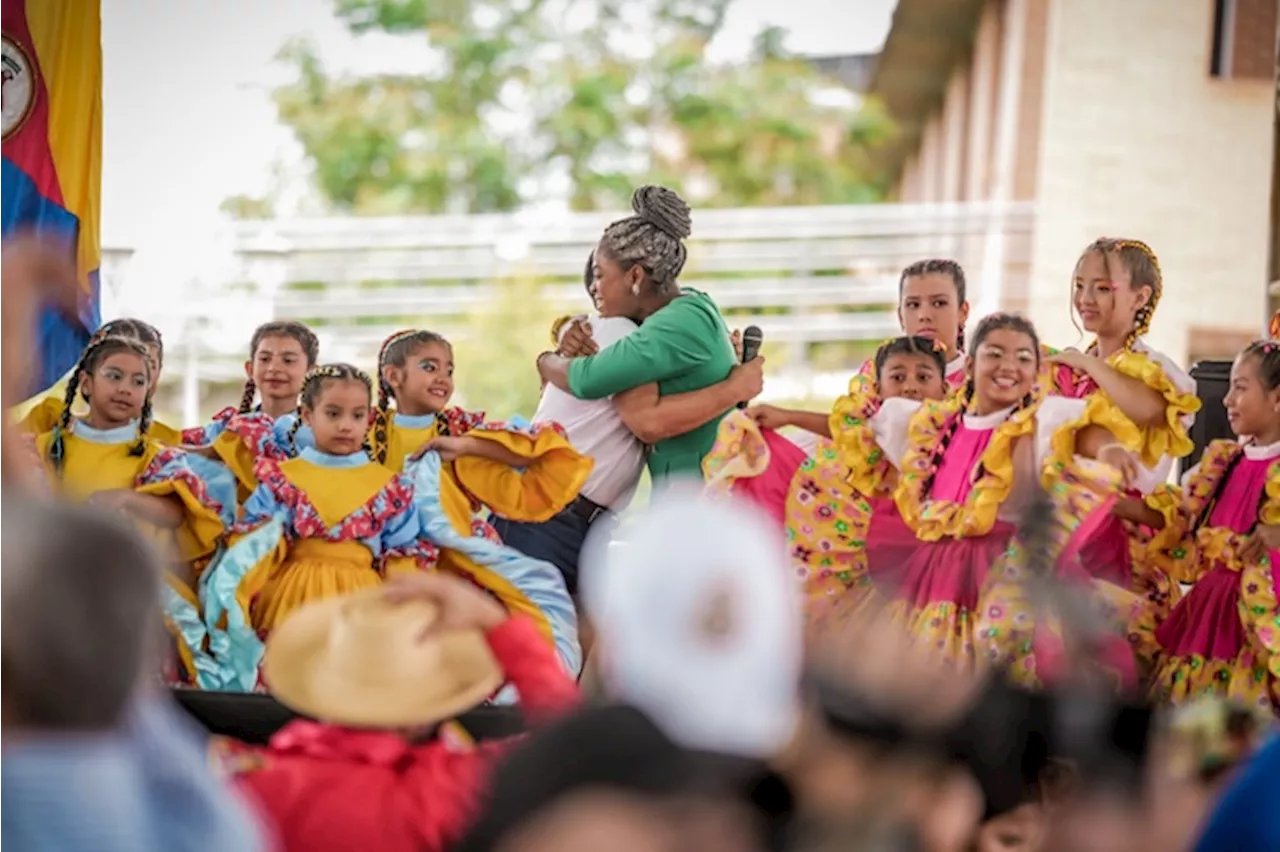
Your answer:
<point x="576" y="342"/>
<point x="881" y="660"/>
<point x="736" y="339"/>
<point x="462" y="605"/>
<point x="35" y="271"/>
<point x="114" y="499"/>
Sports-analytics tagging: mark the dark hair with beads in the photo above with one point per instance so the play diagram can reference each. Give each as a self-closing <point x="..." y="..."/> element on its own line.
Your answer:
<point x="99" y="349"/>
<point x="305" y="337"/>
<point x="589" y="274"/>
<point x="395" y="352"/>
<point x="313" y="386"/>
<point x="908" y="345"/>
<point x="132" y="328"/>
<point x="1143" y="267"/>
<point x="989" y="324"/>
<point x="939" y="266"/>
<point x="653" y="239"/>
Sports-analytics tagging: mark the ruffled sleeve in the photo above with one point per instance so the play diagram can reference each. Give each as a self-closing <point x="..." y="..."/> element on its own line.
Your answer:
<point x="523" y="585"/>
<point x="402" y="539"/>
<point x="207" y="491"/>
<point x="1258" y="582"/>
<point x="203" y="436"/>
<point x="551" y="479"/>
<point x="1171" y="438"/>
<point x="244" y="439"/>
<point x="854" y="437"/>
<point x="40" y="415"/>
<point x="891" y="427"/>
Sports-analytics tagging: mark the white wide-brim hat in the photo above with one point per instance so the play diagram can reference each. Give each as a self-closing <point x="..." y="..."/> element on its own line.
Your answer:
<point x="698" y="624"/>
<point x="363" y="661"/>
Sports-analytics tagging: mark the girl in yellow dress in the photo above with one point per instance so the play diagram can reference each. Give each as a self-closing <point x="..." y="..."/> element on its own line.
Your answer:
<point x="40" y="414"/>
<point x="464" y="467"/>
<point x="329" y="522"/>
<point x="280" y="354"/>
<point x="108" y="457"/>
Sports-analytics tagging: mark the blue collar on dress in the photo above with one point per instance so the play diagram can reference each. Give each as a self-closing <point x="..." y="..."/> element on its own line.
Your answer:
<point x="356" y="459"/>
<point x="119" y="435"/>
<point x="415" y="421"/>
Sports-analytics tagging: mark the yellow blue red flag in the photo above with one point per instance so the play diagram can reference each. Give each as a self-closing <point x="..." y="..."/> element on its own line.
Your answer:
<point x="52" y="151"/>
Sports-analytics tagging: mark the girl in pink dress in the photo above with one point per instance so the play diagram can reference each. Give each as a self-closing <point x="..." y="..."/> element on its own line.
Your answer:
<point x="965" y="465"/>
<point x="1221" y="531"/>
<point x="1141" y="395"/>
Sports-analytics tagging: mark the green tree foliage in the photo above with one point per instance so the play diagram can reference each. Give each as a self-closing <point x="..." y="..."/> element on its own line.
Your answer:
<point x="495" y="359"/>
<point x="606" y="92"/>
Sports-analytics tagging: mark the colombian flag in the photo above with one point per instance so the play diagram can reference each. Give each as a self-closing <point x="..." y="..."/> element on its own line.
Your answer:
<point x="52" y="150"/>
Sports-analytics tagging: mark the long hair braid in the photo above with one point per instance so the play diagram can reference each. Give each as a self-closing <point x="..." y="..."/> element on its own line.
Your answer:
<point x="246" y="399"/>
<point x="144" y="423"/>
<point x="379" y="446"/>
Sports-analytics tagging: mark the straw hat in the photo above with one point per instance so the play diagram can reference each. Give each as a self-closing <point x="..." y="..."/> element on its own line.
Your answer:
<point x="361" y="660"/>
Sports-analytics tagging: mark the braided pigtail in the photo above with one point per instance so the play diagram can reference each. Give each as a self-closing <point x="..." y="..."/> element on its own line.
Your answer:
<point x="379" y="446"/>
<point x="293" y="432"/>
<point x="144" y="424"/>
<point x="246" y="399"/>
<point x="58" y="447"/>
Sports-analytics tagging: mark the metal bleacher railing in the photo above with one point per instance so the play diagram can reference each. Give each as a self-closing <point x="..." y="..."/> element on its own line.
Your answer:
<point x="808" y="276"/>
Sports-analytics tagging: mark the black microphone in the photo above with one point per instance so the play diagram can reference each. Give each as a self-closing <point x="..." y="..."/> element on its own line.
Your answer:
<point x="752" y="337"/>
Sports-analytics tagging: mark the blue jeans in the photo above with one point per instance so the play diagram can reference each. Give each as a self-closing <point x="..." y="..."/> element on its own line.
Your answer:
<point x="558" y="541"/>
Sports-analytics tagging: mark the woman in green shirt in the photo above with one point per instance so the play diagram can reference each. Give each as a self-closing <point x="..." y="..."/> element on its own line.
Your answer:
<point x="682" y="345"/>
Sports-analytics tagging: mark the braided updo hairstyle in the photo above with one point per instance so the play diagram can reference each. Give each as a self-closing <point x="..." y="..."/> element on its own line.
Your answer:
<point x="993" y="322"/>
<point x="653" y="239"/>
<point x="1144" y="271"/>
<point x="100" y="347"/>
<point x="313" y="384"/>
<point x="395" y="352"/>
<point x="939" y="266"/>
<point x="305" y="337"/>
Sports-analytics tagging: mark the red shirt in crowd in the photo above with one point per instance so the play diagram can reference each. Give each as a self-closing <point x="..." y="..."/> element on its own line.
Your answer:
<point x="329" y="788"/>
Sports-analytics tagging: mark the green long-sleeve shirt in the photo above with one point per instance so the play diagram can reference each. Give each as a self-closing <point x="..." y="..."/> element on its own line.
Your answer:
<point x="683" y="347"/>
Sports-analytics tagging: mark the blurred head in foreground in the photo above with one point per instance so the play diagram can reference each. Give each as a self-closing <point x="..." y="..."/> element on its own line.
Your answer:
<point x="80" y="597"/>
<point x="699" y="624"/>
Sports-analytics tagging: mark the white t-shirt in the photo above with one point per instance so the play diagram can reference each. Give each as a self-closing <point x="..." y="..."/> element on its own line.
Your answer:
<point x="595" y="429"/>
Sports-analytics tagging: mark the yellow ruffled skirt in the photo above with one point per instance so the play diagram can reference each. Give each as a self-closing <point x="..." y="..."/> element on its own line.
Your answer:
<point x="313" y="570"/>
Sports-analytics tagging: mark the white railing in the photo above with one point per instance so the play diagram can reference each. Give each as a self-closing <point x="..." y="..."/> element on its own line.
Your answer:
<point x="796" y="271"/>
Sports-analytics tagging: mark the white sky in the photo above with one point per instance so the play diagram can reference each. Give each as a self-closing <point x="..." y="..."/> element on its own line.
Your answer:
<point x="188" y="120"/>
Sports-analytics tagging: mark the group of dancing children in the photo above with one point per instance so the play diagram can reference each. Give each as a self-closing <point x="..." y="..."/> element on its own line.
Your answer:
<point x="915" y="499"/>
<point x="317" y="484"/>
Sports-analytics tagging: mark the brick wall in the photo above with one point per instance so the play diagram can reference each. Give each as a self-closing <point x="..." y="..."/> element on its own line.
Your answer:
<point x="1138" y="139"/>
